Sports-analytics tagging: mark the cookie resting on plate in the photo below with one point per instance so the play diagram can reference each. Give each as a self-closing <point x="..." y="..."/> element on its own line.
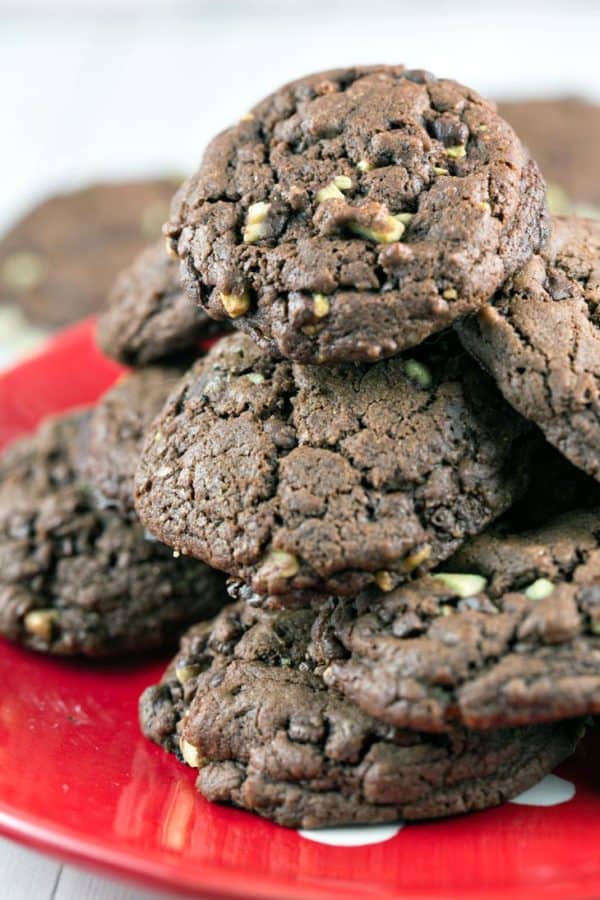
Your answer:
<point x="240" y="703"/>
<point x="79" y="579"/>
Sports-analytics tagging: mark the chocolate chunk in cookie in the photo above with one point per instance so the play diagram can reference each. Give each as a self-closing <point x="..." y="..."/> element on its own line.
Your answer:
<point x="293" y="477"/>
<point x="355" y="212"/>
<point x="59" y="262"/>
<point x="111" y="441"/>
<point x="540" y="340"/>
<point x="149" y="317"/>
<point x="77" y="579"/>
<point x="507" y="634"/>
<point x="268" y="735"/>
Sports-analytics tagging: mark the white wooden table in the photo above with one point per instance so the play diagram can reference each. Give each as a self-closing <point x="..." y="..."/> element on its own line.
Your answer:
<point x="114" y="88"/>
<point x="30" y="876"/>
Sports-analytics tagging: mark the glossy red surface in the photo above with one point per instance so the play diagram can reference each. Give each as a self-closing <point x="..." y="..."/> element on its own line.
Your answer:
<point x="77" y="778"/>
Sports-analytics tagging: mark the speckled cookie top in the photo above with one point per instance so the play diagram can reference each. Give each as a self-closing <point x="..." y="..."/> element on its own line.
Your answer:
<point x="293" y="477"/>
<point x="30" y="468"/>
<point x="354" y="212"/>
<point x="78" y="579"/>
<point x="149" y="317"/>
<point x="111" y="440"/>
<point x="507" y="633"/>
<point x="267" y="734"/>
<point x="541" y="341"/>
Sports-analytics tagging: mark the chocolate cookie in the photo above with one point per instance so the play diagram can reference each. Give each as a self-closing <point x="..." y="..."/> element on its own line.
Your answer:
<point x="61" y="259"/>
<point x="294" y="477"/>
<point x="508" y="634"/>
<point x="355" y="212"/>
<point x="149" y="317"/>
<point x="268" y="735"/>
<point x="541" y="341"/>
<point x="564" y="137"/>
<point x="35" y="467"/>
<point x="77" y="579"/>
<point x="111" y="442"/>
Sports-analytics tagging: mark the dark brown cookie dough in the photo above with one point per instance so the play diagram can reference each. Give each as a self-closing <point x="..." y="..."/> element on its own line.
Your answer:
<point x="563" y="136"/>
<point x="59" y="262"/>
<point x="76" y="579"/>
<point x="510" y="637"/>
<point x="355" y="212"/>
<point x="37" y="466"/>
<point x="293" y="477"/>
<point x="111" y="441"/>
<point x="540" y="340"/>
<point x="269" y="736"/>
<point x="149" y="317"/>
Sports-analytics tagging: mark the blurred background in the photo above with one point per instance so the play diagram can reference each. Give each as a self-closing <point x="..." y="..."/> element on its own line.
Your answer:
<point x="97" y="89"/>
<point x="114" y="90"/>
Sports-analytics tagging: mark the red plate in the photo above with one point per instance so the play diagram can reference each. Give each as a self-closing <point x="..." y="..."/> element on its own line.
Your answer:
<point x="77" y="778"/>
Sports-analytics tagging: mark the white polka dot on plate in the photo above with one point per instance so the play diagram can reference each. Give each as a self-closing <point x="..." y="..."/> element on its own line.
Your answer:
<point x="550" y="791"/>
<point x="351" y="835"/>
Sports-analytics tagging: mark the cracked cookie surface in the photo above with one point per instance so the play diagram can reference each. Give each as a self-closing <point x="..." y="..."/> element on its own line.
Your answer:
<point x="508" y="634"/>
<point x="241" y="703"/>
<point x="540" y="340"/>
<point x="76" y="579"/>
<point x="355" y="212"/>
<point x="111" y="440"/>
<point x="295" y="477"/>
<point x="149" y="317"/>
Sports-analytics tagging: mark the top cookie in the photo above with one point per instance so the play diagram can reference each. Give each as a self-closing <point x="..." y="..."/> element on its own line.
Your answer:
<point x="541" y="341"/>
<point x="354" y="212"/>
<point x="564" y="137"/>
<point x="149" y="317"/>
<point x="292" y="476"/>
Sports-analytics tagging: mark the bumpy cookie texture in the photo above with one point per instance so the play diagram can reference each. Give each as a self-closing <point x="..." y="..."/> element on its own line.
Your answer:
<point x="293" y="477"/>
<point x="112" y="438"/>
<point x="149" y="316"/>
<point x="59" y="262"/>
<point x="563" y="136"/>
<point x="355" y="212"/>
<point x="541" y="341"/>
<point x="35" y="467"/>
<point x="76" y="579"/>
<point x="508" y="634"/>
<point x="269" y="736"/>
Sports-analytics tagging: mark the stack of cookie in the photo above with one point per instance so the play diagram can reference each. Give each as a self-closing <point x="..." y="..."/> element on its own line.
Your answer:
<point x="394" y="457"/>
